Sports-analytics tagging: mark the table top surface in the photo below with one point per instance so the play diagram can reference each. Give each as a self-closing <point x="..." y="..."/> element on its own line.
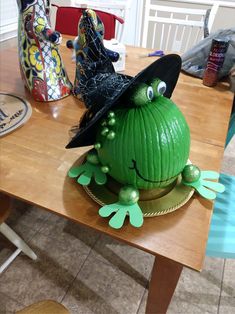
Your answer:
<point x="34" y="162"/>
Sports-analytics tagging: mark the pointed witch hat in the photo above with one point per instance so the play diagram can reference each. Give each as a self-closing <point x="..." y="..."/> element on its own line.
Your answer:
<point x="102" y="88"/>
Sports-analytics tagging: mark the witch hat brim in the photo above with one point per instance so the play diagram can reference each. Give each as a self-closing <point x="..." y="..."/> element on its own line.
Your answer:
<point x="166" y="69"/>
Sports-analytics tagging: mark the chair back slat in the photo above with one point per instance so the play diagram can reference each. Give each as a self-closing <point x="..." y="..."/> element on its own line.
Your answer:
<point x="183" y="34"/>
<point x="169" y="32"/>
<point x="176" y="21"/>
<point x="176" y="9"/>
<point x="175" y="42"/>
<point x="162" y="36"/>
<point x="198" y="35"/>
<point x="189" y="36"/>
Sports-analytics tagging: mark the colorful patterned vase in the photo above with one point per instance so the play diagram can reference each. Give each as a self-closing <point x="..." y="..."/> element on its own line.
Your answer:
<point x="41" y="66"/>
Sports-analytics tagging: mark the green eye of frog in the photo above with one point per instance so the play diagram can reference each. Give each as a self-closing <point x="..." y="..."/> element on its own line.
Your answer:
<point x="159" y="87"/>
<point x="143" y="94"/>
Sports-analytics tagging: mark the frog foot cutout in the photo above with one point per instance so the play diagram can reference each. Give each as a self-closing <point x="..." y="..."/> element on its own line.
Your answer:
<point x="127" y="205"/>
<point x="91" y="168"/>
<point x="192" y="176"/>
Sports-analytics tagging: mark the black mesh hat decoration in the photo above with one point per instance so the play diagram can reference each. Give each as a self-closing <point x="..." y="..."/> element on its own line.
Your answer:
<point x="102" y="88"/>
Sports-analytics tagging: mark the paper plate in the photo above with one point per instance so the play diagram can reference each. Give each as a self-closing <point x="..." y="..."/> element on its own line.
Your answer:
<point x="14" y="112"/>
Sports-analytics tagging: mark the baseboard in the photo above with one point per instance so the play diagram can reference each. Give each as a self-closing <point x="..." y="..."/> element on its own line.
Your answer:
<point x="8" y="31"/>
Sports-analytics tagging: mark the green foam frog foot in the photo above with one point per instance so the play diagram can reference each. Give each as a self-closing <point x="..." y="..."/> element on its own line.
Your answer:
<point x="91" y="168"/>
<point x="85" y="172"/>
<point x="117" y="221"/>
<point x="127" y="205"/>
<point x="192" y="176"/>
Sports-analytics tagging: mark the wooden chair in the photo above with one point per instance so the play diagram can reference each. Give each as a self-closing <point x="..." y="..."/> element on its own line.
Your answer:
<point x="44" y="307"/>
<point x="174" y="29"/>
<point x="67" y="19"/>
<point x="5" y="208"/>
<point x="120" y="8"/>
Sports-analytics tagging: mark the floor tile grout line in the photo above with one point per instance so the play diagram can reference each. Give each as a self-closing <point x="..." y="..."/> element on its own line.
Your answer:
<point x="141" y="299"/>
<point x="44" y="219"/>
<point x="70" y="285"/>
<point x="29" y="240"/>
<point x="145" y="291"/>
<point x="110" y="264"/>
<point x="221" y="285"/>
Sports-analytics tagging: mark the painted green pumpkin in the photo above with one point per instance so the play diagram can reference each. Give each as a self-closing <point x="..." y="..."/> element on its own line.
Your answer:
<point x="145" y="142"/>
<point x="144" y="145"/>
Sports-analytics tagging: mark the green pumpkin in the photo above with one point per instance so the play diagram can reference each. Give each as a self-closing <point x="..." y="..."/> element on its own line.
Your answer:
<point x="147" y="143"/>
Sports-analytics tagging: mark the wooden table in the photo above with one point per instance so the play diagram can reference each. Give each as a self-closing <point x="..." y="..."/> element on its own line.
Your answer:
<point x="34" y="166"/>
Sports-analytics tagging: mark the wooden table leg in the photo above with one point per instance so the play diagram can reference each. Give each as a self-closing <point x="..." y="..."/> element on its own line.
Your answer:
<point x="165" y="276"/>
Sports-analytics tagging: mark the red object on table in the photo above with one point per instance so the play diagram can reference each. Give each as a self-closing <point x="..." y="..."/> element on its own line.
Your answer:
<point x="215" y="61"/>
<point x="67" y="19"/>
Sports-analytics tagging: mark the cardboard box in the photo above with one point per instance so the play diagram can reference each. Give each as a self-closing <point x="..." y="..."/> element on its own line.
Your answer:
<point x="114" y="45"/>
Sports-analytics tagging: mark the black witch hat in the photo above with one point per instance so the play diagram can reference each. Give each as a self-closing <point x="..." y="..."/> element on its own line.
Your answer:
<point x="102" y="88"/>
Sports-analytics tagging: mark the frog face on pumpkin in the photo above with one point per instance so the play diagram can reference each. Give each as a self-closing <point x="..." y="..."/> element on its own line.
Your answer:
<point x="145" y="141"/>
<point x="143" y="94"/>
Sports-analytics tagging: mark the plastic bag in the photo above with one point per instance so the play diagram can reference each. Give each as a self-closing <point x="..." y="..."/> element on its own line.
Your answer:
<point x="194" y="60"/>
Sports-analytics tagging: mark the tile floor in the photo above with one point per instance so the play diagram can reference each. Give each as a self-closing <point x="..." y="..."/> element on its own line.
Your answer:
<point x="86" y="271"/>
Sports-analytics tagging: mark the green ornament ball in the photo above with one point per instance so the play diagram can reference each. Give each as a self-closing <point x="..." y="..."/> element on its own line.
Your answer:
<point x="128" y="195"/>
<point x="111" y="135"/>
<point x="111" y="122"/>
<point x="92" y="157"/>
<point x="191" y="173"/>
<point x="111" y="114"/>
<point x="105" y="169"/>
<point x="105" y="131"/>
<point x="97" y="145"/>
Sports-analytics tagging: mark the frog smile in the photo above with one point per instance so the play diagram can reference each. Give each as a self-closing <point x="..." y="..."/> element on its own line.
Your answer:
<point x="134" y="167"/>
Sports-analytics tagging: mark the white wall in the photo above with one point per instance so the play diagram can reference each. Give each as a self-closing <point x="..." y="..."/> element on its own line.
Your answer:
<point x="9" y="13"/>
<point x="8" y="19"/>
